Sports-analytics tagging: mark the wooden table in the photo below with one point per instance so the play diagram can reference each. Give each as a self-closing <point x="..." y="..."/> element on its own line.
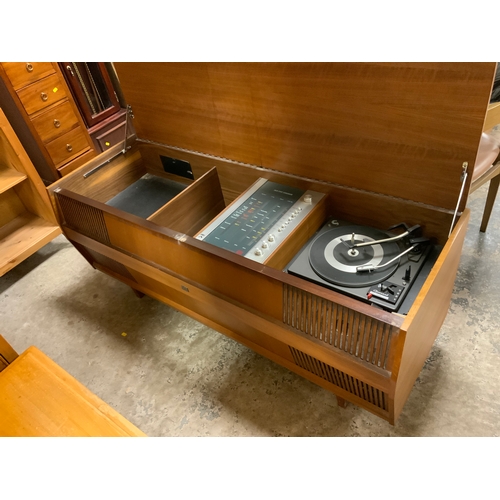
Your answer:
<point x="39" y="398"/>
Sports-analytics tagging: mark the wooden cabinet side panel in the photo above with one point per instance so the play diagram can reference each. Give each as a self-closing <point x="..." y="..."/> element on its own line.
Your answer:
<point x="221" y="312"/>
<point x="426" y="317"/>
<point x="216" y="273"/>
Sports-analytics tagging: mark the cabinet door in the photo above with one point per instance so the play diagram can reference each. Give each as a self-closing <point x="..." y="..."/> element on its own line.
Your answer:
<point x="93" y="90"/>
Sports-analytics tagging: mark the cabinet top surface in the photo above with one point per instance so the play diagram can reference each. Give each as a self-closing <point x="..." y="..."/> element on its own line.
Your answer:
<point x="400" y="129"/>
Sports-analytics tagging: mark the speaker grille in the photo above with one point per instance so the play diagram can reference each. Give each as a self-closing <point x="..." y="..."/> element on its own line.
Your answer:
<point x="352" y="332"/>
<point x="340" y="379"/>
<point x="83" y="218"/>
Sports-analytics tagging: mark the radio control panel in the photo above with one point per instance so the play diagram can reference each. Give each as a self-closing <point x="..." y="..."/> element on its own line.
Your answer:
<point x="260" y="220"/>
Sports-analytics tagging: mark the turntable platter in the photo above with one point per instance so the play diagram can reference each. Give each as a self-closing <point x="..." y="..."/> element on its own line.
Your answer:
<point x="331" y="257"/>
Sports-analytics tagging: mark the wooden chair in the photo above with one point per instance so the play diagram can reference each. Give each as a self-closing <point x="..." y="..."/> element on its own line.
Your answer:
<point x="39" y="398"/>
<point x="487" y="168"/>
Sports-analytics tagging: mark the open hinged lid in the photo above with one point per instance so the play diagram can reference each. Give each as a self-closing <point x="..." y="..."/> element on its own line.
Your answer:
<point x="400" y="129"/>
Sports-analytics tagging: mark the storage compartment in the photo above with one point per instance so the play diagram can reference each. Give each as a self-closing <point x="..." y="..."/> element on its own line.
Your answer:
<point x="135" y="188"/>
<point x="146" y="196"/>
<point x="395" y="170"/>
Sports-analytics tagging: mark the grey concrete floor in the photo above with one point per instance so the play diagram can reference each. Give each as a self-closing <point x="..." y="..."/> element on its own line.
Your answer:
<point x="172" y="376"/>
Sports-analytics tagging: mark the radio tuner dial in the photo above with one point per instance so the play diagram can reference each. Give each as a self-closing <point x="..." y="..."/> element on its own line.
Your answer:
<point x="308" y="198"/>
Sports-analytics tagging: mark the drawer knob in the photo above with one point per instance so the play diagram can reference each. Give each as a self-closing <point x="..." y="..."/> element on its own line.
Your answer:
<point x="29" y="67"/>
<point x="69" y="147"/>
<point x="57" y="123"/>
<point x="44" y="96"/>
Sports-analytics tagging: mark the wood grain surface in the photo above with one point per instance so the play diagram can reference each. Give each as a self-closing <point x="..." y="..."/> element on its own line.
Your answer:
<point x="401" y="129"/>
<point x="39" y="398"/>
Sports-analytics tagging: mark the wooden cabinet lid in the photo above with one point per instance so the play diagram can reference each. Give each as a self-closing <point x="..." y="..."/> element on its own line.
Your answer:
<point x="401" y="129"/>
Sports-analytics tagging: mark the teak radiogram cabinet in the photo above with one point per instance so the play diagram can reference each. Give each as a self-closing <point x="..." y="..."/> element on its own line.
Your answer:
<point x="384" y="143"/>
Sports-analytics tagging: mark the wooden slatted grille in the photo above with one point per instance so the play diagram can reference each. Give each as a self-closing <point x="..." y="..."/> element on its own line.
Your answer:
<point x="83" y="218"/>
<point x="352" y="332"/>
<point x="340" y="379"/>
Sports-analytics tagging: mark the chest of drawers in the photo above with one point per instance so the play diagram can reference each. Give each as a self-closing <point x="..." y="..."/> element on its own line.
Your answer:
<point x="40" y="106"/>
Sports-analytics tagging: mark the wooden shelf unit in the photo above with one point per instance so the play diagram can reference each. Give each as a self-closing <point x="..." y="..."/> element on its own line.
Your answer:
<point x="9" y="178"/>
<point x="27" y="221"/>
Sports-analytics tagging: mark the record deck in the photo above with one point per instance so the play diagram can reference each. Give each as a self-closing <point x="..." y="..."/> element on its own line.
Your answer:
<point x="383" y="268"/>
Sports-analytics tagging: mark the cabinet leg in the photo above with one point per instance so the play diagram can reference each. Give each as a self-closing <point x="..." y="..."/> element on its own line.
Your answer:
<point x="137" y="293"/>
<point x="341" y="402"/>
<point x="490" y="201"/>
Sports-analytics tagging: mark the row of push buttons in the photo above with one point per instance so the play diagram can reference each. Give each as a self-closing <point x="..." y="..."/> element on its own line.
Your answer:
<point x="292" y="216"/>
<point x="271" y="238"/>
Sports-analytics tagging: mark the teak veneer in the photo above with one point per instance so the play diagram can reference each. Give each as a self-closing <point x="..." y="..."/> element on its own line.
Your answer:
<point x="385" y="143"/>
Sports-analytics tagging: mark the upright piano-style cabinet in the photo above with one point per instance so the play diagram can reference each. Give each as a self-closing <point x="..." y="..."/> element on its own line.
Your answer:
<point x="361" y="147"/>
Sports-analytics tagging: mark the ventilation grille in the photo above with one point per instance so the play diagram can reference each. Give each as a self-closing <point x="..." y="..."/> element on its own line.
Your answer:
<point x="352" y="332"/>
<point x="350" y="384"/>
<point x="83" y="218"/>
